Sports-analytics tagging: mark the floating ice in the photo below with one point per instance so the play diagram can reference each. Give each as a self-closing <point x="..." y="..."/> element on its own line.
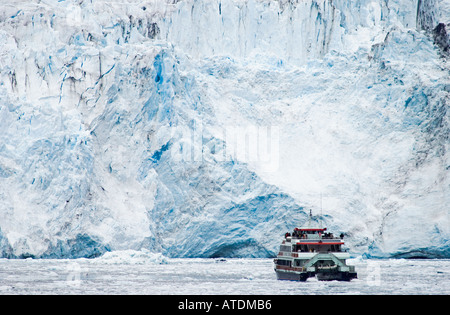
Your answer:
<point x="132" y="257"/>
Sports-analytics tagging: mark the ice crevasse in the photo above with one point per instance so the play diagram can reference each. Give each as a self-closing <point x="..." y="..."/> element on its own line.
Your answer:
<point x="209" y="128"/>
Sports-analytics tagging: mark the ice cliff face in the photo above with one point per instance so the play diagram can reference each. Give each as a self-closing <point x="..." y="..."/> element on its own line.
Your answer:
<point x="210" y="128"/>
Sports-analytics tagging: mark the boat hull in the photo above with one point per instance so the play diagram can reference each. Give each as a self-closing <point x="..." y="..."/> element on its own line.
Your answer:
<point x="339" y="276"/>
<point x="321" y="276"/>
<point x="283" y="275"/>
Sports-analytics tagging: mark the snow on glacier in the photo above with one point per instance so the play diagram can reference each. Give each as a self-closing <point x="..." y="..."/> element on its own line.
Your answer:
<point x="122" y="125"/>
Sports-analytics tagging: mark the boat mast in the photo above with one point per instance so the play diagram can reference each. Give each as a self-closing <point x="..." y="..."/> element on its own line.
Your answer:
<point x="320" y="220"/>
<point x="310" y="218"/>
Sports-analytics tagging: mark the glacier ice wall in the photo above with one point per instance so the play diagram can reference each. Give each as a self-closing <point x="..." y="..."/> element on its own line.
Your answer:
<point x="118" y="121"/>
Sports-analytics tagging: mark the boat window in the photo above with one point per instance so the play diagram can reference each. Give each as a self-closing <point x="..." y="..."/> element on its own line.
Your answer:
<point x="300" y="248"/>
<point x="283" y="262"/>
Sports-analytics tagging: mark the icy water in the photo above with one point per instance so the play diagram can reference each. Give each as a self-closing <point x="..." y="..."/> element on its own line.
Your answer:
<point x="213" y="276"/>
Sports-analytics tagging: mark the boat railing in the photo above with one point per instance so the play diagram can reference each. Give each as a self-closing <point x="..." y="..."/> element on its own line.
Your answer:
<point x="313" y="237"/>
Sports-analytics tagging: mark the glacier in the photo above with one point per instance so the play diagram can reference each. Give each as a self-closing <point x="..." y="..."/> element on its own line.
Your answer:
<point x="209" y="128"/>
